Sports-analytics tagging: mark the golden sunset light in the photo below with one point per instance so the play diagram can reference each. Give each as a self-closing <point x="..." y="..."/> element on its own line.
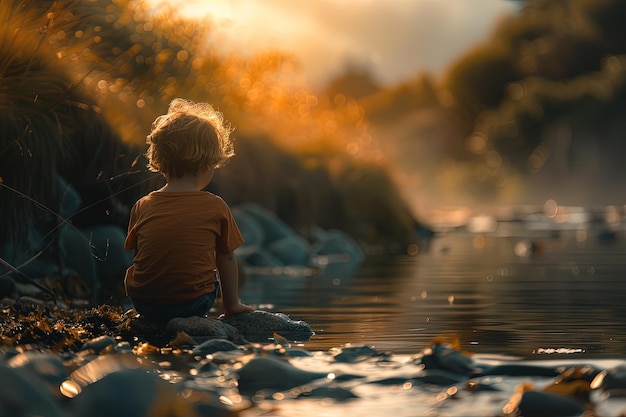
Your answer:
<point x="312" y="207"/>
<point x="396" y="39"/>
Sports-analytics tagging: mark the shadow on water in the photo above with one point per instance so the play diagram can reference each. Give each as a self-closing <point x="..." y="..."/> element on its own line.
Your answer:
<point x="566" y="296"/>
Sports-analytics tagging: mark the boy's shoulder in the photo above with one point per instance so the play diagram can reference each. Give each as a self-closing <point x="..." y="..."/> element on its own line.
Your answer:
<point x="199" y="196"/>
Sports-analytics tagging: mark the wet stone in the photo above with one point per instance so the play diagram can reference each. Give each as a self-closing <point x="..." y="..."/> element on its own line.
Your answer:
<point x="136" y="393"/>
<point x="272" y="375"/>
<point x="260" y="326"/>
<point x="215" y="345"/>
<point x="47" y="366"/>
<point x="22" y="395"/>
<point x="99" y="344"/>
<point x="352" y="354"/>
<point x="201" y="326"/>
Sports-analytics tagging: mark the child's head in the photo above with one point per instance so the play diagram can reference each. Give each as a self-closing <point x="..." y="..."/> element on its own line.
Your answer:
<point x="189" y="138"/>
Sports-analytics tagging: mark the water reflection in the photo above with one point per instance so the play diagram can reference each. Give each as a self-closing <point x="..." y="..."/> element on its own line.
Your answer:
<point x="561" y="296"/>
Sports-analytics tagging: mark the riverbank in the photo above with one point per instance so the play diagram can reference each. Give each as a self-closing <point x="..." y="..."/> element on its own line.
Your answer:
<point x="79" y="362"/>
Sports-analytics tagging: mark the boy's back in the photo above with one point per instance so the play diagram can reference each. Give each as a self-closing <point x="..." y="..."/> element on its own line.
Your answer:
<point x="179" y="233"/>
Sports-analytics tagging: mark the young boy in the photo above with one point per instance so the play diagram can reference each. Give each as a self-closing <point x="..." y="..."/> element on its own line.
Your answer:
<point x="183" y="237"/>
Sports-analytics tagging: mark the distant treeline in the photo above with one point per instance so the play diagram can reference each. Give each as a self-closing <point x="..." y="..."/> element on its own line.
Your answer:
<point x="540" y="104"/>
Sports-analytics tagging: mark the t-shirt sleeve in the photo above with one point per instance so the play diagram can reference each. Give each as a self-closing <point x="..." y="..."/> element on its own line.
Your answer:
<point x="230" y="237"/>
<point x="131" y="236"/>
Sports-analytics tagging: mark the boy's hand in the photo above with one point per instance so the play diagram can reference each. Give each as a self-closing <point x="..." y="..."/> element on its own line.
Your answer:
<point x="236" y="309"/>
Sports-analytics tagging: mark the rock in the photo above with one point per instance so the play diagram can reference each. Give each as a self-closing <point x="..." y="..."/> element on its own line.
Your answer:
<point x="6" y="302"/>
<point x="31" y="301"/>
<point x="297" y="353"/>
<point x="100" y="344"/>
<point x="335" y="393"/>
<point x="434" y="377"/>
<point x="543" y="404"/>
<point x="202" y="326"/>
<point x="517" y="370"/>
<point x="144" y="327"/>
<point x="443" y="357"/>
<point x="272" y="228"/>
<point x="352" y="354"/>
<point x="215" y="345"/>
<point x="273" y="375"/>
<point x="46" y="366"/>
<point x="259" y="326"/>
<point x="21" y="395"/>
<point x="93" y="370"/>
<point x="130" y="393"/>
<point x="206" y="366"/>
<point x="439" y="377"/>
<point x="335" y="246"/>
<point x="270" y="242"/>
<point x="249" y="227"/>
<point x="291" y="250"/>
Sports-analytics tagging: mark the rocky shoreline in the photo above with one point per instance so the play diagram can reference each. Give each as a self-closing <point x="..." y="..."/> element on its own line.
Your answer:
<point x="30" y="321"/>
<point x="105" y="351"/>
<point x="103" y="361"/>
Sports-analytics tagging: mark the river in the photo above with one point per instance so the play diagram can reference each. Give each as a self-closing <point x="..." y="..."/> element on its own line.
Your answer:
<point x="554" y="298"/>
<point x="529" y="294"/>
<point x="528" y="305"/>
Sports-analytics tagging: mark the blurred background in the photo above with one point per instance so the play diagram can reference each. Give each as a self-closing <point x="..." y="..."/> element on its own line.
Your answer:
<point x="485" y="103"/>
<point x="380" y="119"/>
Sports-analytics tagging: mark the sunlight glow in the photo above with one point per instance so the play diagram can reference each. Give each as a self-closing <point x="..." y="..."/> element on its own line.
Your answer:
<point x="70" y="389"/>
<point x="327" y="35"/>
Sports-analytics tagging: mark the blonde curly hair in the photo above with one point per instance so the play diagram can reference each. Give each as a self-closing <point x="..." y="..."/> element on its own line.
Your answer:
<point x="190" y="137"/>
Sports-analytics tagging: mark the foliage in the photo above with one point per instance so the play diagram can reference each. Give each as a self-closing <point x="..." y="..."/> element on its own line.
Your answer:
<point x="55" y="328"/>
<point x="390" y="104"/>
<point x="541" y="98"/>
<point x="568" y="95"/>
<point x="97" y="72"/>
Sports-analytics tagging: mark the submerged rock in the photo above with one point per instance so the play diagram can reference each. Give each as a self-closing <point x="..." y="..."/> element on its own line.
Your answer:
<point x="611" y="381"/>
<point x="335" y="393"/>
<point x="434" y="377"/>
<point x="543" y="404"/>
<point x="517" y="369"/>
<point x="443" y="357"/>
<point x="351" y="354"/>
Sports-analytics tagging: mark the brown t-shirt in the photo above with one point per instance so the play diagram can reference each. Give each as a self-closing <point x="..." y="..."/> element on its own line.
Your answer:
<point x="175" y="236"/>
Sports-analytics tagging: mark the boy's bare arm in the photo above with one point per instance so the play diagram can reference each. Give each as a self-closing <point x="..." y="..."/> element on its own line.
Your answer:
<point x="229" y="276"/>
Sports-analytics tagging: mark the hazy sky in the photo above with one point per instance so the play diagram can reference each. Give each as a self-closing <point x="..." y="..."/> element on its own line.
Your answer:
<point x="397" y="38"/>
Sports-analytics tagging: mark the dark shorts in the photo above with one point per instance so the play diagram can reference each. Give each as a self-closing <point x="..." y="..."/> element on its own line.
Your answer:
<point x="165" y="312"/>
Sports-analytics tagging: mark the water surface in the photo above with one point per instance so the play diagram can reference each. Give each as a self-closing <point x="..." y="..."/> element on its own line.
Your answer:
<point x="564" y="297"/>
